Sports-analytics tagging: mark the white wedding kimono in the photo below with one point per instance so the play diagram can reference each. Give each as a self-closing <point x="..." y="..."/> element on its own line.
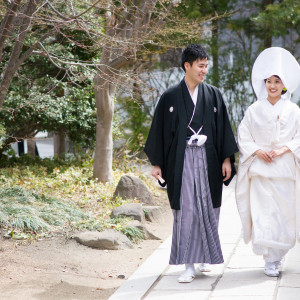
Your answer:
<point x="268" y="194"/>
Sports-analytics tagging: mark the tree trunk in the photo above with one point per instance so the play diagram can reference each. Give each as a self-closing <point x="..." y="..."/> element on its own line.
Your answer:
<point x="131" y="27"/>
<point x="267" y="34"/>
<point x="15" y="60"/>
<point x="104" y="95"/>
<point x="59" y="140"/>
<point x="215" y="53"/>
<point x="31" y="147"/>
<point x="6" y="25"/>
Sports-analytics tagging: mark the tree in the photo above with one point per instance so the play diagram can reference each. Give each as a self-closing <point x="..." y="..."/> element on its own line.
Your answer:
<point x="282" y="19"/>
<point x="130" y="27"/>
<point x="221" y="12"/>
<point x="44" y="96"/>
<point x="74" y="114"/>
<point x="23" y="29"/>
<point x="119" y="29"/>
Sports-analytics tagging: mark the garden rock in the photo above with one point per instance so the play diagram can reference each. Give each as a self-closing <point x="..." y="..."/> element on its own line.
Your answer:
<point x="134" y="210"/>
<point x="105" y="240"/>
<point x="147" y="234"/>
<point x="131" y="187"/>
<point x="153" y="213"/>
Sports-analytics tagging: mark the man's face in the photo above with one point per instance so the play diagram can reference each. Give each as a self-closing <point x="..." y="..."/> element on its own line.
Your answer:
<point x="197" y="71"/>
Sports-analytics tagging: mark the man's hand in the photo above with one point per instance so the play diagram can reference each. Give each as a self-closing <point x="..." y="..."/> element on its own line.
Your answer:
<point x="156" y="171"/>
<point x="278" y="152"/>
<point x="226" y="168"/>
<point x="263" y="155"/>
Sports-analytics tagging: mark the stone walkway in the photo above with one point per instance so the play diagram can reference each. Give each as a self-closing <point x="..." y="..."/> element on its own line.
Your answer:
<point x="241" y="276"/>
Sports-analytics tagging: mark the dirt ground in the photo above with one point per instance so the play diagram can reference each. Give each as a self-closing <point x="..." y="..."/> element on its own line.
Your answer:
<point x="59" y="268"/>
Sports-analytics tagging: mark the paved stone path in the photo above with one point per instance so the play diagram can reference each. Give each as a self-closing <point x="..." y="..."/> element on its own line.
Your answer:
<point x="241" y="276"/>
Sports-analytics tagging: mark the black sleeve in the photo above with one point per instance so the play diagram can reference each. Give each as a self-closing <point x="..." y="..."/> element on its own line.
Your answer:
<point x="228" y="143"/>
<point x="154" y="147"/>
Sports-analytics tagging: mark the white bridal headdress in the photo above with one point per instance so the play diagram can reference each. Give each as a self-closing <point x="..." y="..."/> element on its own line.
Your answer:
<point x="275" y="61"/>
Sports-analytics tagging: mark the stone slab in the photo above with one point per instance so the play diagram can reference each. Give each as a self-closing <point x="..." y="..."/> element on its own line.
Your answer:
<point x="287" y="293"/>
<point x="245" y="288"/>
<point x="216" y="270"/>
<point x="227" y="193"/>
<point x="290" y="280"/>
<point x="229" y="238"/>
<point x="291" y="266"/>
<point x="201" y="282"/>
<point x="293" y="254"/>
<point x="250" y="261"/>
<point x="248" y="274"/>
<point x="242" y="298"/>
<point x="244" y="250"/>
<point x="177" y="295"/>
<point x="227" y="250"/>
<point x="243" y="278"/>
<point x="137" y="285"/>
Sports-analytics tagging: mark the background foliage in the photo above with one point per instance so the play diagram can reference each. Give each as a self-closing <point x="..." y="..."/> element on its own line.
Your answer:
<point x="54" y="91"/>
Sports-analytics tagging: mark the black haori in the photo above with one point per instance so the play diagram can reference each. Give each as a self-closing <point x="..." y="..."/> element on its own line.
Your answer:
<point x="195" y="230"/>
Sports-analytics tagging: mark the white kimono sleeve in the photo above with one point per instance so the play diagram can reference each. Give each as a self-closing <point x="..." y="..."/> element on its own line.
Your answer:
<point x="294" y="144"/>
<point x="247" y="145"/>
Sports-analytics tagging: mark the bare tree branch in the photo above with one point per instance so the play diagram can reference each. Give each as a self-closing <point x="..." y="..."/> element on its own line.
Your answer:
<point x="34" y="46"/>
<point x="14" y="63"/>
<point x="73" y="17"/>
<point x="161" y="19"/>
<point x="6" y="25"/>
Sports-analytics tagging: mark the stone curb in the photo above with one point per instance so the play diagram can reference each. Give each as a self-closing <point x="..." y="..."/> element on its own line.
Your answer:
<point x="146" y="275"/>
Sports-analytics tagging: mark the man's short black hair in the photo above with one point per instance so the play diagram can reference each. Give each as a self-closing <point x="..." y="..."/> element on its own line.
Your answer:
<point x="192" y="53"/>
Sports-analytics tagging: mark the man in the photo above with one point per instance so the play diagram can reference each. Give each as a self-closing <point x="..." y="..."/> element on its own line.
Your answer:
<point x="191" y="146"/>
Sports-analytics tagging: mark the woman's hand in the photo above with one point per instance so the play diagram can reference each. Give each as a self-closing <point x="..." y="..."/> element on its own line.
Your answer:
<point x="279" y="152"/>
<point x="263" y="155"/>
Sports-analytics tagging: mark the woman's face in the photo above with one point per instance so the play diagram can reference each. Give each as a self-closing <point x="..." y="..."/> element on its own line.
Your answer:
<point x="274" y="88"/>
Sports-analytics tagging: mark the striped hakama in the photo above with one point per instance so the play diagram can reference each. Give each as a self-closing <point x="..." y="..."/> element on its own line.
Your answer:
<point x="195" y="230"/>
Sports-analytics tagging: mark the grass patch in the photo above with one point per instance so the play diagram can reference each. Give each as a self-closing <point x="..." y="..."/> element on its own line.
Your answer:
<point x="26" y="210"/>
<point x="43" y="195"/>
<point x="133" y="233"/>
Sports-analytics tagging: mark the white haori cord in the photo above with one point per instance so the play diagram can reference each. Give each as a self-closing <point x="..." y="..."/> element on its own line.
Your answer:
<point x="201" y="138"/>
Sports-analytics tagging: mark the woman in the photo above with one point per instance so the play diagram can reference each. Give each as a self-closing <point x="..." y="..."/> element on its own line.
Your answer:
<point x="268" y="182"/>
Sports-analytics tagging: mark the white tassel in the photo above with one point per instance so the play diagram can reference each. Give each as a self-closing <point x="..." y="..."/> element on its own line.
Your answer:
<point x="201" y="139"/>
